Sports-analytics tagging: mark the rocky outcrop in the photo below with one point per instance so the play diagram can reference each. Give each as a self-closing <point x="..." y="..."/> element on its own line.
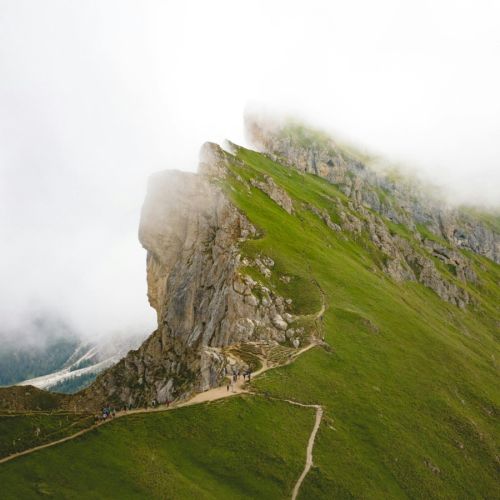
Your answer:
<point x="200" y="285"/>
<point x="278" y="195"/>
<point x="325" y="217"/>
<point x="204" y="303"/>
<point x="396" y="198"/>
<point x="374" y="199"/>
<point x="404" y="262"/>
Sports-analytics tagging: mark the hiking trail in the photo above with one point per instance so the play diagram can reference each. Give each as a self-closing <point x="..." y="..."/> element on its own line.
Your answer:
<point x="310" y="446"/>
<point x="238" y="387"/>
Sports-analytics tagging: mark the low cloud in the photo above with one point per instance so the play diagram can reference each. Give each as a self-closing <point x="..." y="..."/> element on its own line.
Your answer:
<point x="94" y="97"/>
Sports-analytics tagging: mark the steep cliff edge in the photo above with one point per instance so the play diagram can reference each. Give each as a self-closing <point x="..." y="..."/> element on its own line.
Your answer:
<point x="192" y="233"/>
<point x="220" y="293"/>
<point x="249" y="259"/>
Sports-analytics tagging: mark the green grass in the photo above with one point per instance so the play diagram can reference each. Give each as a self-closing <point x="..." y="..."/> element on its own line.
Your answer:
<point x="244" y="447"/>
<point x="23" y="431"/>
<point x="410" y="384"/>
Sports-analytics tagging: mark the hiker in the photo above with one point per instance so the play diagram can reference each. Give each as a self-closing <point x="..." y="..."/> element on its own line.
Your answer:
<point x="228" y="387"/>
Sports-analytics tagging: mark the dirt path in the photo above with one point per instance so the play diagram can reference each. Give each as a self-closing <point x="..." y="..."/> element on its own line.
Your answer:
<point x="310" y="446"/>
<point x="238" y="387"/>
<point x="47" y="445"/>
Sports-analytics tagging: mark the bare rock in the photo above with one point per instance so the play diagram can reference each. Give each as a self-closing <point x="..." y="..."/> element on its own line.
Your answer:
<point x="279" y="322"/>
<point x="277" y="194"/>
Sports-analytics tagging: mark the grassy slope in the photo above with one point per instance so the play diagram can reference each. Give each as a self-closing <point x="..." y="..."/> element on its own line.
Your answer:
<point x="410" y="390"/>
<point x="413" y="381"/>
<point x="18" y="432"/>
<point x="235" y="448"/>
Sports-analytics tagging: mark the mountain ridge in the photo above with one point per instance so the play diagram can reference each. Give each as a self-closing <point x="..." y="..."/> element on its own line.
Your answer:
<point x="188" y="216"/>
<point x="248" y="262"/>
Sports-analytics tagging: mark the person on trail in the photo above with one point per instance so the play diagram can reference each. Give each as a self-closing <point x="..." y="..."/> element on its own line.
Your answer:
<point x="228" y="387"/>
<point x="249" y="375"/>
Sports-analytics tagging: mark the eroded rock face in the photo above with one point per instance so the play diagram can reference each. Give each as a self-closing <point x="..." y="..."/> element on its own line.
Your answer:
<point x="196" y="276"/>
<point x="192" y="233"/>
<point x="278" y="195"/>
<point x="400" y="201"/>
<point x="375" y="199"/>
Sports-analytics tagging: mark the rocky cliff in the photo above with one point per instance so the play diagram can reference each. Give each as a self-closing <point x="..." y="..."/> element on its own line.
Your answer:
<point x="192" y="234"/>
<point x="198" y="281"/>
<point x="377" y="199"/>
<point x="395" y="197"/>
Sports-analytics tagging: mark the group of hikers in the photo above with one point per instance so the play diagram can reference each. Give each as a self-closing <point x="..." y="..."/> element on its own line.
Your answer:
<point x="109" y="412"/>
<point x="247" y="375"/>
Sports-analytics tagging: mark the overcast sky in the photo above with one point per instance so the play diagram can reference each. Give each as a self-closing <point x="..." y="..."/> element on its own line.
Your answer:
<point x="96" y="95"/>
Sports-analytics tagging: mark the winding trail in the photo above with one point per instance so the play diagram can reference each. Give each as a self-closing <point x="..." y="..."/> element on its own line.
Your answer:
<point x="310" y="446"/>
<point x="239" y="387"/>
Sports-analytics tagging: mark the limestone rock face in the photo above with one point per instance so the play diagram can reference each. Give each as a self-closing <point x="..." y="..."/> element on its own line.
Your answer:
<point x="205" y="303"/>
<point x="401" y="201"/>
<point x="274" y="192"/>
<point x="375" y="199"/>
<point x="192" y="233"/>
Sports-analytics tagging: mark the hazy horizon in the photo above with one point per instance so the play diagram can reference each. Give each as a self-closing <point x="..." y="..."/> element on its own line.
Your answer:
<point x="96" y="96"/>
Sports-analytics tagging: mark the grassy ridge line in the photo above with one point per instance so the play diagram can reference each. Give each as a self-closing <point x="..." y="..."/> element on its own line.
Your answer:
<point x="411" y="391"/>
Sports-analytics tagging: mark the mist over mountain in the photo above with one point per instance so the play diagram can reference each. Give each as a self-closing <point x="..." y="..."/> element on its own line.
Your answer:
<point x="95" y="97"/>
<point x="310" y="301"/>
